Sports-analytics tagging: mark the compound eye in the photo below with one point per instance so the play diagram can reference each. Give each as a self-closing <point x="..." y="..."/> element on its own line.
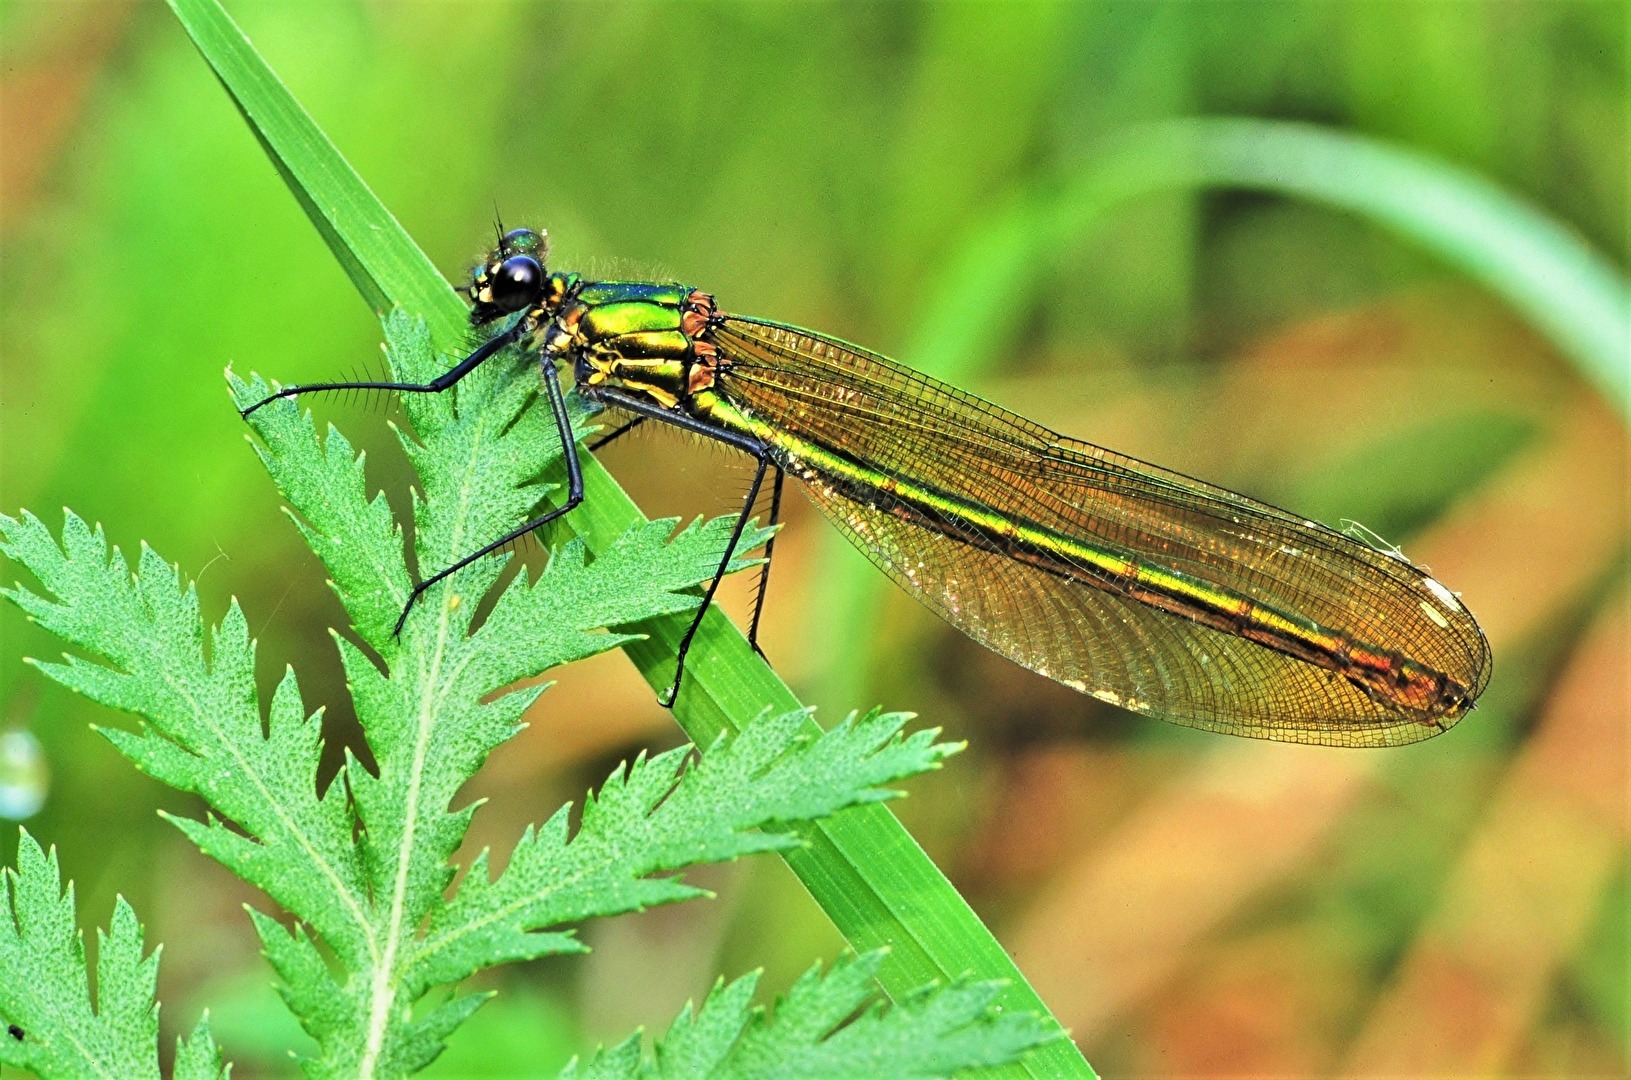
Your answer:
<point x="517" y="283"/>
<point x="520" y="241"/>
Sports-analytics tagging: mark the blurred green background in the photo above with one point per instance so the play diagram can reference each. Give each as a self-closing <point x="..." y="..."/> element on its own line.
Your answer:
<point x="1189" y="905"/>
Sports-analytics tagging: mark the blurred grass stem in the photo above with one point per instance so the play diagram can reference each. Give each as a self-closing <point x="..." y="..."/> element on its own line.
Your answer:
<point x="1546" y="272"/>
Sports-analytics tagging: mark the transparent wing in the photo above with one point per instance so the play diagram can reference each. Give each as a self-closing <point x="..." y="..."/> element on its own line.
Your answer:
<point x="905" y="425"/>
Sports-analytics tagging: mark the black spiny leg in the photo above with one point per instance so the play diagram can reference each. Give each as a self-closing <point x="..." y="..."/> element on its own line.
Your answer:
<point x="442" y="382"/>
<point x="574" y="495"/>
<point x="764" y="571"/>
<point x="618" y="432"/>
<point x="713" y="586"/>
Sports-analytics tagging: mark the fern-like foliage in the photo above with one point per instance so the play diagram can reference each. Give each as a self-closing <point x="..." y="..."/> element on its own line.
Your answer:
<point x="828" y="1027"/>
<point x="51" y="1026"/>
<point x="364" y="867"/>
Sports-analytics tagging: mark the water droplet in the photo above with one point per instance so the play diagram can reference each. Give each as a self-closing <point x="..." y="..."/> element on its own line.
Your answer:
<point x="24" y="777"/>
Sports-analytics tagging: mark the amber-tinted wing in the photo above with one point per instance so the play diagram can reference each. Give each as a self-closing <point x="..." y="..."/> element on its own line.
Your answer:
<point x="904" y="425"/>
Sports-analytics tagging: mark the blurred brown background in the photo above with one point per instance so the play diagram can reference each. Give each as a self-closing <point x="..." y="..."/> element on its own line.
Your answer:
<point x="1189" y="905"/>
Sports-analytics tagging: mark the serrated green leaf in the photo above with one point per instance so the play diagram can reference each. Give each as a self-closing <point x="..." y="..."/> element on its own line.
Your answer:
<point x="203" y="730"/>
<point x="831" y="1027"/>
<point x="431" y="719"/>
<point x="48" y="1022"/>
<point x="432" y="715"/>
<point x="311" y="991"/>
<point x="419" y="1041"/>
<point x="197" y="1056"/>
<point x="658" y="815"/>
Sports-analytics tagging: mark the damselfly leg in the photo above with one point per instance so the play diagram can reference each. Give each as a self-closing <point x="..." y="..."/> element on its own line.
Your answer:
<point x="764" y="569"/>
<point x="719" y="575"/>
<point x="574" y="495"/>
<point x="442" y="382"/>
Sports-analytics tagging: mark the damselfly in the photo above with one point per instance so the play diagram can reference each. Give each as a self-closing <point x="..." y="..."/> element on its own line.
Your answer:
<point x="1139" y="586"/>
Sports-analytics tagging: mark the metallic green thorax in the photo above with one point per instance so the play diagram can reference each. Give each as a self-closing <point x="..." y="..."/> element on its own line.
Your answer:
<point x="632" y="336"/>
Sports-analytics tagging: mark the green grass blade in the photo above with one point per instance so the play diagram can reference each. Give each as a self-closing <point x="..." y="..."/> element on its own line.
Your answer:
<point x="862" y="867"/>
<point x="1551" y="276"/>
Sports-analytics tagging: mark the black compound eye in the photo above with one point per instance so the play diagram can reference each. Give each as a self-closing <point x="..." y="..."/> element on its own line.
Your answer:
<point x="517" y="282"/>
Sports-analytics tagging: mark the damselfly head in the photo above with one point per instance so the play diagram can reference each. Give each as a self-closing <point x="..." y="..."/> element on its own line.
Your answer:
<point x="511" y="278"/>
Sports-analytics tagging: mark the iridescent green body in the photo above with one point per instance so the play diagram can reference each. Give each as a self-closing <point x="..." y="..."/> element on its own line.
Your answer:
<point x="1140" y="586"/>
<point x="1390" y="675"/>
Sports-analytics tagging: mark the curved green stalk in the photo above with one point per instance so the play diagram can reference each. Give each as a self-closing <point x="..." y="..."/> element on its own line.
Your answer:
<point x="1549" y="275"/>
<point x="861" y="866"/>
